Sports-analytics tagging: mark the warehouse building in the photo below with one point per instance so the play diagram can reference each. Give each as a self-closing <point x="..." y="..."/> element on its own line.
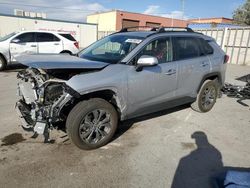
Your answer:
<point x="116" y="20"/>
<point x="84" y="33"/>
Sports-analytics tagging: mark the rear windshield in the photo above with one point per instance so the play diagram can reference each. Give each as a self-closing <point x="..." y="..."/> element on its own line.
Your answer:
<point x="68" y="36"/>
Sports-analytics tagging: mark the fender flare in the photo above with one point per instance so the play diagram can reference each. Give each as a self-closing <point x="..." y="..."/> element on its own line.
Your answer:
<point x="214" y="75"/>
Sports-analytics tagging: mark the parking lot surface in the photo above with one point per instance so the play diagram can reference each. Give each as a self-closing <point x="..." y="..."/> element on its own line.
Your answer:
<point x="175" y="148"/>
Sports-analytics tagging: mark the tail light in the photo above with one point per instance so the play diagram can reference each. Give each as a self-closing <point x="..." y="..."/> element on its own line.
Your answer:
<point x="226" y="59"/>
<point x="76" y="45"/>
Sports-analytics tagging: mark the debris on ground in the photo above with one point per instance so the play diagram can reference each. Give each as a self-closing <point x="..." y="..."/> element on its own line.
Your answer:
<point x="237" y="91"/>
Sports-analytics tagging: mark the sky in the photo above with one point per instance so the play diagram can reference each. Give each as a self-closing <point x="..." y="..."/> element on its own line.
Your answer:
<point x="77" y="10"/>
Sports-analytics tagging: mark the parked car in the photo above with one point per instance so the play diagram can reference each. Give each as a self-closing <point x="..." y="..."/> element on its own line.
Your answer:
<point x="35" y="42"/>
<point x="122" y="76"/>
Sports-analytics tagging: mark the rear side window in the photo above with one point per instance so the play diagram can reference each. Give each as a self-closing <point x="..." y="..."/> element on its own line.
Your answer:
<point x="206" y="47"/>
<point x="46" y="37"/>
<point x="68" y="36"/>
<point x="26" y="37"/>
<point x="186" y="47"/>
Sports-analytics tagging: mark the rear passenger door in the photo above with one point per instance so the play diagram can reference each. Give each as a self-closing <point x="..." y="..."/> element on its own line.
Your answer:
<point x="48" y="43"/>
<point x="192" y="62"/>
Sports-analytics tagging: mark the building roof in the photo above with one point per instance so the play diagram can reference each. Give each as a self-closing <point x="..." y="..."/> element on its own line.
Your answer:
<point x="46" y="19"/>
<point x="209" y="25"/>
<point x="212" y="18"/>
<point x="122" y="11"/>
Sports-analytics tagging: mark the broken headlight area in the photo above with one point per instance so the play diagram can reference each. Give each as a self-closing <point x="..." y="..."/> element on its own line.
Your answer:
<point x="42" y="99"/>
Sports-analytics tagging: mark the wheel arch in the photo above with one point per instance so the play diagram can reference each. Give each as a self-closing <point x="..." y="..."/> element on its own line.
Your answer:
<point x="210" y="76"/>
<point x="4" y="58"/>
<point x="109" y="95"/>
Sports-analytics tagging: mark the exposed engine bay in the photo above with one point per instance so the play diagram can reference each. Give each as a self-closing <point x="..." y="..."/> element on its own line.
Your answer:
<point x="43" y="94"/>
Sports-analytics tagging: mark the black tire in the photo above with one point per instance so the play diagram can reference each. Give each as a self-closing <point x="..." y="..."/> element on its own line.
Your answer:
<point x="66" y="53"/>
<point x="204" y="102"/>
<point x="3" y="64"/>
<point x="82" y="115"/>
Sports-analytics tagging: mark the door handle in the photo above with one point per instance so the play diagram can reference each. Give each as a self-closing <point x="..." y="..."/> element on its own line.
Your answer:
<point x="33" y="45"/>
<point x="171" y="72"/>
<point x="204" y="64"/>
<point x="56" y="44"/>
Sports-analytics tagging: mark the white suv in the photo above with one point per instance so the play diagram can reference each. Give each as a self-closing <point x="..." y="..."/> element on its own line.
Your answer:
<point x="35" y="42"/>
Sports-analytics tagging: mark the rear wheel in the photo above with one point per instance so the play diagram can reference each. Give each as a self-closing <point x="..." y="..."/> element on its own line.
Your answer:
<point x="92" y="124"/>
<point x="3" y="64"/>
<point x="206" y="97"/>
<point x="66" y="52"/>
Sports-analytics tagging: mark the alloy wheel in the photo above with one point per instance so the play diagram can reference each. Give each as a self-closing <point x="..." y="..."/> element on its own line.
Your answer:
<point x="208" y="97"/>
<point x="95" y="126"/>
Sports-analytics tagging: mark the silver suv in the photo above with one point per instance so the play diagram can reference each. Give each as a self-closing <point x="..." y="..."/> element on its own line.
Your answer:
<point x="122" y="76"/>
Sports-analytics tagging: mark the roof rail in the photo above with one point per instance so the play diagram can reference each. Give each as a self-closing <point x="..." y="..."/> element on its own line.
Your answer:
<point x="158" y="29"/>
<point x="135" y="27"/>
<point x="165" y="29"/>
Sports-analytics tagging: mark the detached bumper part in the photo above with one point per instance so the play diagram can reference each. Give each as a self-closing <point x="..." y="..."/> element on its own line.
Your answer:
<point x="38" y="128"/>
<point x="19" y="109"/>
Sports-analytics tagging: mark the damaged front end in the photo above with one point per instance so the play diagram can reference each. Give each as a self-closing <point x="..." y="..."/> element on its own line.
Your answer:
<point x="42" y="98"/>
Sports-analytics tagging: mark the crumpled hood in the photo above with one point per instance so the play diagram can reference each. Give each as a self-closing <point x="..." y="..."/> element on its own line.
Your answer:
<point x="59" y="61"/>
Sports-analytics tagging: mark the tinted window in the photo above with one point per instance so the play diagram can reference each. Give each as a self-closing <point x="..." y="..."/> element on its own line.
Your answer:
<point x="186" y="47"/>
<point x="68" y="36"/>
<point x="26" y="37"/>
<point x="206" y="47"/>
<point x="160" y="48"/>
<point x="46" y="37"/>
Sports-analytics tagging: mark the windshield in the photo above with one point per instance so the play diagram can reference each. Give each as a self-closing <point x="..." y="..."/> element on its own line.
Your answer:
<point x="7" y="36"/>
<point x="111" y="49"/>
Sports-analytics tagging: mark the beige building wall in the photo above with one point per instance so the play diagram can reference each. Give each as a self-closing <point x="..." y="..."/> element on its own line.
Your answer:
<point x="85" y="34"/>
<point x="106" y="21"/>
<point x="114" y="20"/>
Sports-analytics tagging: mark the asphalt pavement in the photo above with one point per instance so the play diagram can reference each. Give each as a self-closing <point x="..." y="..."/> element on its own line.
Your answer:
<point x="177" y="148"/>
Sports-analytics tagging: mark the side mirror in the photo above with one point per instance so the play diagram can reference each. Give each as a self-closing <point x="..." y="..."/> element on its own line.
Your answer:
<point x="15" y="41"/>
<point x="146" y="61"/>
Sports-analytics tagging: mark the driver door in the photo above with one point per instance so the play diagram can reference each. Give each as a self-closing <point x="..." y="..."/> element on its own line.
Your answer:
<point x="24" y="43"/>
<point x="151" y="88"/>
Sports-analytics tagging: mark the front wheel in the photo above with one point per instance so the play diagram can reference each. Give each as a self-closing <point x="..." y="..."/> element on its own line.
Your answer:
<point x="92" y="123"/>
<point x="2" y="64"/>
<point x="206" y="97"/>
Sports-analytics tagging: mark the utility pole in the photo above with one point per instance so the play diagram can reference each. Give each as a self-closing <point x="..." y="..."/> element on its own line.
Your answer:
<point x="183" y="8"/>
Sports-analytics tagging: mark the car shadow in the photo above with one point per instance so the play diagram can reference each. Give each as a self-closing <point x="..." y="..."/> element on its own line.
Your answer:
<point x="127" y="124"/>
<point x="203" y="167"/>
<point x="14" y="68"/>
